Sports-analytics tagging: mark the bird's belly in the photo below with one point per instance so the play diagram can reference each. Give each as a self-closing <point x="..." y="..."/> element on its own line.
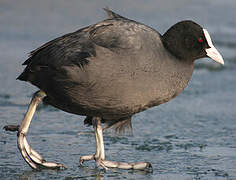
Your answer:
<point x="111" y="99"/>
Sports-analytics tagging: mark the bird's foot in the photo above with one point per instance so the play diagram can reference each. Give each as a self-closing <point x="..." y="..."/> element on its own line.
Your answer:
<point x="86" y="158"/>
<point x="33" y="158"/>
<point x="124" y="165"/>
<point x="105" y="164"/>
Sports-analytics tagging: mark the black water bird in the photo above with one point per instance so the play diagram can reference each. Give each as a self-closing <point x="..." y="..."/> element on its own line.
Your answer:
<point x="108" y="72"/>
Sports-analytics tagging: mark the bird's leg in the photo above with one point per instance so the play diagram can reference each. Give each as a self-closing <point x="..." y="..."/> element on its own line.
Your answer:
<point x="29" y="154"/>
<point x="99" y="157"/>
<point x="98" y="145"/>
<point x="100" y="152"/>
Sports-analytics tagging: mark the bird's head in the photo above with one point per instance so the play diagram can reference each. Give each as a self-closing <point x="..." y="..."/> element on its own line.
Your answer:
<point x="189" y="41"/>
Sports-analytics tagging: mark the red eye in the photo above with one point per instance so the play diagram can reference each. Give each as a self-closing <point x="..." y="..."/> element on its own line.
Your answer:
<point x="200" y="39"/>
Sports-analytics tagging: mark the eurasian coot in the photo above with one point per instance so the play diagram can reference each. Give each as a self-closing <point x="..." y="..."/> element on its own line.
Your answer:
<point x="108" y="72"/>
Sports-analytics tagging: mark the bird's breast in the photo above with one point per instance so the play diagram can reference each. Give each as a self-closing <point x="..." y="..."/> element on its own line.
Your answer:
<point x="131" y="87"/>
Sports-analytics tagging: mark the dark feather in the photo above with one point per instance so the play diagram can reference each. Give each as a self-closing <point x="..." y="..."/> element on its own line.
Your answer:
<point x="112" y="15"/>
<point x="120" y="126"/>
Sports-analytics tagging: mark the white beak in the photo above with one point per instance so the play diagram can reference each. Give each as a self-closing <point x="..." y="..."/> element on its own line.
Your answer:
<point x="212" y="51"/>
